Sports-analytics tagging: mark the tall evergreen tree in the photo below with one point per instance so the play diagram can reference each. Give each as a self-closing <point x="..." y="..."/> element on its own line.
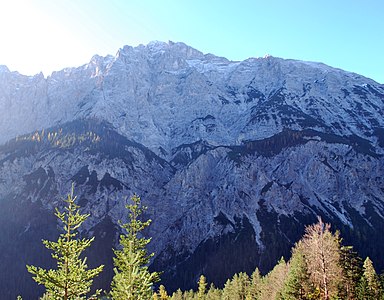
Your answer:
<point x="72" y="279"/>
<point x="132" y="279"/>
<point x="255" y="285"/>
<point x="273" y="282"/>
<point x="228" y="291"/>
<point x="369" y="286"/>
<point x="296" y="284"/>
<point x="202" y="288"/>
<point x="237" y="288"/>
<point x="362" y="291"/>
<point x="352" y="267"/>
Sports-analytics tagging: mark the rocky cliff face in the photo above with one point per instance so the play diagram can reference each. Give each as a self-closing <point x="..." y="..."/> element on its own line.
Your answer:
<point x="232" y="158"/>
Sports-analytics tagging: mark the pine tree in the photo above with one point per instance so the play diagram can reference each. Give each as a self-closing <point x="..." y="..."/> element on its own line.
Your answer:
<point x="155" y="296"/>
<point x="202" y="288"/>
<point x="163" y="295"/>
<point x="273" y="282"/>
<point x="352" y="266"/>
<point x="132" y="279"/>
<point x="189" y="295"/>
<point x="178" y="295"/>
<point x="213" y="293"/>
<point x="72" y="279"/>
<point x="228" y="292"/>
<point x="296" y="284"/>
<point x="241" y="283"/>
<point x="255" y="285"/>
<point x="369" y="286"/>
<point x="237" y="288"/>
<point x="362" y="290"/>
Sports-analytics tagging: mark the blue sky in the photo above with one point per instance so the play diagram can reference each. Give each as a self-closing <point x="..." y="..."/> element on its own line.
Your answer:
<point x="48" y="35"/>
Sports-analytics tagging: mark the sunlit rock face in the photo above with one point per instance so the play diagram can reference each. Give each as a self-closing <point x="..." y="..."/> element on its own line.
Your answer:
<point x="233" y="159"/>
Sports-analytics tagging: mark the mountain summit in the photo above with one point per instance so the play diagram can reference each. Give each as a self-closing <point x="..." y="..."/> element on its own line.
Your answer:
<point x="232" y="158"/>
<point x="159" y="95"/>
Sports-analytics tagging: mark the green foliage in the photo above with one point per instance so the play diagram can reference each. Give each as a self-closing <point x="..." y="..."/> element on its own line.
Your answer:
<point x="320" y="268"/>
<point x="72" y="279"/>
<point x="369" y="286"/>
<point x="273" y="282"/>
<point x="296" y="284"/>
<point x="162" y="294"/>
<point x="213" y="293"/>
<point x="178" y="295"/>
<point x="132" y="279"/>
<point x="351" y="264"/>
<point x="307" y="276"/>
<point x="202" y="288"/>
<point x="227" y="290"/>
<point x="237" y="288"/>
<point x="255" y="285"/>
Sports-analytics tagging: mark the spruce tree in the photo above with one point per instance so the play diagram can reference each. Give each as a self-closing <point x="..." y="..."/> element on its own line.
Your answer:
<point x="155" y="296"/>
<point x="255" y="285"/>
<point x="202" y="287"/>
<point x="238" y="288"/>
<point x="162" y="295"/>
<point x="241" y="283"/>
<point x="178" y="295"/>
<point x="132" y="279"/>
<point x="189" y="295"/>
<point x="228" y="291"/>
<point x="369" y="286"/>
<point x="213" y="293"/>
<point x="296" y="284"/>
<point x="273" y="282"/>
<point x="72" y="279"/>
<point x="352" y="266"/>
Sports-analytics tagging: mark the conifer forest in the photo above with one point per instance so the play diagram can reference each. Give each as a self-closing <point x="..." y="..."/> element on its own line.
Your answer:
<point x="320" y="267"/>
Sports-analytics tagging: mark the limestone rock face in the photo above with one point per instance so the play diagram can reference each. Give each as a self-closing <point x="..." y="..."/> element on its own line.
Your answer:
<point x="233" y="159"/>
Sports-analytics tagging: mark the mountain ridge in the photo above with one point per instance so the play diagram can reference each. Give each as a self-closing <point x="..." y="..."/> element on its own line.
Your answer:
<point x="93" y="81"/>
<point x="226" y="155"/>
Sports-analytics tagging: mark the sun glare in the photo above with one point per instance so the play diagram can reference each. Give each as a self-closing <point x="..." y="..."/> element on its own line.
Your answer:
<point x="32" y="41"/>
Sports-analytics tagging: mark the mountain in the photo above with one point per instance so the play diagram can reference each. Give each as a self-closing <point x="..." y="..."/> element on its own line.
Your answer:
<point x="233" y="159"/>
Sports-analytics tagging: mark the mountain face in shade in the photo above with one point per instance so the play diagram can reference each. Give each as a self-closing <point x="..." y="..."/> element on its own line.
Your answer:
<point x="233" y="159"/>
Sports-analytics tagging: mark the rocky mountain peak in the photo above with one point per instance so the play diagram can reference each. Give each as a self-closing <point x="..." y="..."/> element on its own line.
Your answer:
<point x="4" y="69"/>
<point x="171" y="89"/>
<point x="229" y="156"/>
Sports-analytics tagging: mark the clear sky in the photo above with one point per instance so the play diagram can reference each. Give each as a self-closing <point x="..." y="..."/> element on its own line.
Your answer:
<point x="49" y="35"/>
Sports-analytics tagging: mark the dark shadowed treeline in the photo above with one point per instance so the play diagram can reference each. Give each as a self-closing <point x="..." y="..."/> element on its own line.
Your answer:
<point x="320" y="268"/>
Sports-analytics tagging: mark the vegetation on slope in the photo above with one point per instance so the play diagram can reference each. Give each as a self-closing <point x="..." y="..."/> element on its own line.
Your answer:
<point x="320" y="268"/>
